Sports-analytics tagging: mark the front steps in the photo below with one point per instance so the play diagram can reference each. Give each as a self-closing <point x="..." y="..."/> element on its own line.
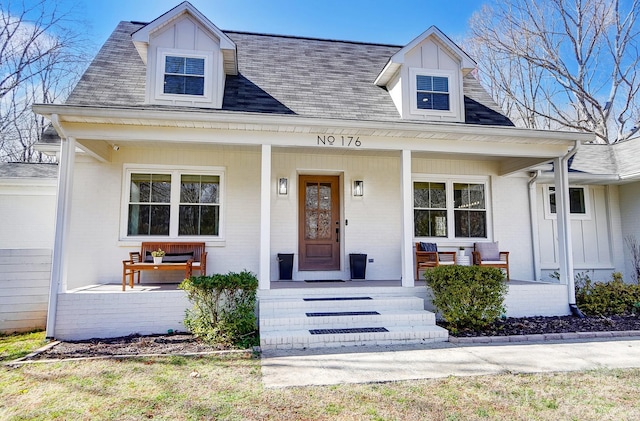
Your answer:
<point x="344" y="317"/>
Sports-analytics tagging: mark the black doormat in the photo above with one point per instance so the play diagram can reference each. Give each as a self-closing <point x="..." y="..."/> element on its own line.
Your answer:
<point x="350" y="330"/>
<point x="337" y="299"/>
<point x="324" y="280"/>
<point x="344" y="313"/>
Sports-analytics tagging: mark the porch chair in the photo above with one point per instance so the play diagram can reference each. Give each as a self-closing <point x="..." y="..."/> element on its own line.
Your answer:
<point x="489" y="254"/>
<point x="134" y="257"/>
<point x="428" y="256"/>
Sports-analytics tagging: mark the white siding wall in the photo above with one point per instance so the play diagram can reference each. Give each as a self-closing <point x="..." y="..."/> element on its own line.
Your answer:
<point x="27" y="215"/>
<point x="97" y="201"/>
<point x="24" y="289"/>
<point x="512" y="224"/>
<point x="630" y="220"/>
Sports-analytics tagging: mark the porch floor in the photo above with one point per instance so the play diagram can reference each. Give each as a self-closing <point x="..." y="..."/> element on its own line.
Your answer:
<point x="154" y="287"/>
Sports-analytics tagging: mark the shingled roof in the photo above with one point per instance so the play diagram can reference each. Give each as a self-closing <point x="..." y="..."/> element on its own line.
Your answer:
<point x="277" y="75"/>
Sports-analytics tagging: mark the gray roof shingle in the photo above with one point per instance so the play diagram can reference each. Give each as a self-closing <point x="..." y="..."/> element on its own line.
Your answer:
<point x="28" y="170"/>
<point x="277" y="75"/>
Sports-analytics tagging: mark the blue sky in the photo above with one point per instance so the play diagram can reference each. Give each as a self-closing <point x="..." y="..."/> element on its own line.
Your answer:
<point x="389" y="22"/>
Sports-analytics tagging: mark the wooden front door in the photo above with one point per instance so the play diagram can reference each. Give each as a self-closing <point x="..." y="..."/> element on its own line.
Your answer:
<point x="319" y="223"/>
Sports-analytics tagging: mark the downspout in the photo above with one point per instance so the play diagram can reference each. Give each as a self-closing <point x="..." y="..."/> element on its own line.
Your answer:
<point x="535" y="238"/>
<point x="568" y="264"/>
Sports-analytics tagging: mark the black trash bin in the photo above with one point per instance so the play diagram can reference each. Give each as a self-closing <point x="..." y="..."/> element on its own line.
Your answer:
<point x="358" y="264"/>
<point x="285" y="264"/>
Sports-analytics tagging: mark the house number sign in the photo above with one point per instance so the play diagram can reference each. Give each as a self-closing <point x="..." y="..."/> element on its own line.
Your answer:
<point x="346" y="141"/>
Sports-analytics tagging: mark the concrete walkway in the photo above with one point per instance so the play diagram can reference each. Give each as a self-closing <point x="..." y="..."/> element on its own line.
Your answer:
<point x="393" y="363"/>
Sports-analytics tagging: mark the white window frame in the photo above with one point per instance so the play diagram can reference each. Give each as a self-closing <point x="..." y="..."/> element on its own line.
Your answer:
<point x="208" y="75"/>
<point x="449" y="181"/>
<point x="176" y="172"/>
<point x="453" y="92"/>
<point x="577" y="216"/>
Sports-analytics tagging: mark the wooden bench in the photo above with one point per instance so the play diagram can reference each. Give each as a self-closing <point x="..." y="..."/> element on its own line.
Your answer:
<point x="187" y="256"/>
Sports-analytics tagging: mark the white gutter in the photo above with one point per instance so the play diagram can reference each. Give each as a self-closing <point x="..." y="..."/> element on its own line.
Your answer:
<point x="533" y="216"/>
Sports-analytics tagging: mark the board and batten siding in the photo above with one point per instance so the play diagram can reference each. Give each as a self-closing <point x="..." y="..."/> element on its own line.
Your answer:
<point x="592" y="236"/>
<point x="629" y="199"/>
<point x="24" y="289"/>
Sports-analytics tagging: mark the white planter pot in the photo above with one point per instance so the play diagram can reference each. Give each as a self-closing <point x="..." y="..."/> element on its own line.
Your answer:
<point x="157" y="260"/>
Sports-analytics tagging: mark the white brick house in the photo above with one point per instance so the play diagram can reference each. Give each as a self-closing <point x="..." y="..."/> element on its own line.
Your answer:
<point x="266" y="120"/>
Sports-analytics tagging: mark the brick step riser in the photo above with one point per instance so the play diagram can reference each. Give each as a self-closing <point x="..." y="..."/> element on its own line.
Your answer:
<point x="276" y="307"/>
<point x="360" y="339"/>
<point x="381" y="320"/>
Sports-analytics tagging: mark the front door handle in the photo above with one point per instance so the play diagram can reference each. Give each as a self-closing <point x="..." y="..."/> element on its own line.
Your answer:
<point x="337" y="235"/>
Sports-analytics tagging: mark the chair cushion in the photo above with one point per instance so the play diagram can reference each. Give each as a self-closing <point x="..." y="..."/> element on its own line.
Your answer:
<point x="488" y="251"/>
<point x="428" y="247"/>
<point x="494" y="262"/>
<point x="447" y="262"/>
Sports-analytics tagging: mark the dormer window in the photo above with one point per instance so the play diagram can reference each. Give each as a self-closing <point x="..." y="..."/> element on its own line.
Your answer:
<point x="184" y="75"/>
<point x="432" y="92"/>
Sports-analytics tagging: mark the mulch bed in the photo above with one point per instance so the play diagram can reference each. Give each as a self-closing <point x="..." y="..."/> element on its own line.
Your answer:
<point x="183" y="343"/>
<point x="178" y="343"/>
<point x="557" y="324"/>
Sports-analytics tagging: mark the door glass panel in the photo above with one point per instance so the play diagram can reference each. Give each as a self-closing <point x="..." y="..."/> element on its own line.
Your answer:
<point x="318" y="211"/>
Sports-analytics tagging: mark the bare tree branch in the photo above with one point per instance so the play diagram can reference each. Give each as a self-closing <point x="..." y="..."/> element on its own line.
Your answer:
<point x="568" y="63"/>
<point x="42" y="54"/>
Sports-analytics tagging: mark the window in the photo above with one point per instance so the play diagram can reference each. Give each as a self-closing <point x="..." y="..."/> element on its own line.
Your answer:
<point x="441" y="208"/>
<point x="432" y="92"/>
<point x="578" y="199"/>
<point x="430" y="209"/>
<point x="173" y="203"/>
<point x="184" y="75"/>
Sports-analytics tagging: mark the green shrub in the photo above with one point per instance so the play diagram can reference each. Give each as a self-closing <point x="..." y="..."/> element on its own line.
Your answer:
<point x="223" y="308"/>
<point x="606" y="298"/>
<point x="468" y="297"/>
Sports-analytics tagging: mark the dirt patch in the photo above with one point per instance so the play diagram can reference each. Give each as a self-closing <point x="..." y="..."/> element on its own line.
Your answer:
<point x="558" y="324"/>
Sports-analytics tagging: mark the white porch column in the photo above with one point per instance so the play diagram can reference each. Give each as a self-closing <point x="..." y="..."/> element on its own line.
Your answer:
<point x="407" y="220"/>
<point x="264" y="277"/>
<point x="59" y="262"/>
<point x="565" y="247"/>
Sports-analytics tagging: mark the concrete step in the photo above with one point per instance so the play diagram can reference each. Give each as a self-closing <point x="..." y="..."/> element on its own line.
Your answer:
<point x="274" y="306"/>
<point x="335" y="319"/>
<point x="395" y="335"/>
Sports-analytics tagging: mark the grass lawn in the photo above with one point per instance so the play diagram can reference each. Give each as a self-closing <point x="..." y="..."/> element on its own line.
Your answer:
<point x="229" y="387"/>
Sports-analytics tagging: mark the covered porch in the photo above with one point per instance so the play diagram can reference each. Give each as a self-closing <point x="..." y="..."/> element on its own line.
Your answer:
<point x="104" y="310"/>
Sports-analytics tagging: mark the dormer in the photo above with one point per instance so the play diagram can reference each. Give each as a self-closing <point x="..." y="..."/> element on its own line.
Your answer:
<point x="187" y="59"/>
<point x="424" y="78"/>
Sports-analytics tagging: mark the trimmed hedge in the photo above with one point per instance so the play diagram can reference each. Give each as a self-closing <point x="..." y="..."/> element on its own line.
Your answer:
<point x="468" y="297"/>
<point x="223" y="308"/>
<point x="613" y="298"/>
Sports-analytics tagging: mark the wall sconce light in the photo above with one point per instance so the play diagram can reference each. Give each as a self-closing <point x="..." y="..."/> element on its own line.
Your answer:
<point x="283" y="186"/>
<point x="358" y="188"/>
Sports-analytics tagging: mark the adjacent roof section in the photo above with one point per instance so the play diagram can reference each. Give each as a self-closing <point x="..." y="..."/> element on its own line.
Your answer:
<point x="27" y="170"/>
<point x="276" y="75"/>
